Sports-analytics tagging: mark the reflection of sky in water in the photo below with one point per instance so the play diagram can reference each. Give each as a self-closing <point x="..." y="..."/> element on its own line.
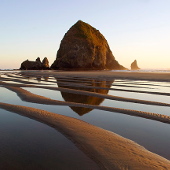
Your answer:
<point x="153" y="135"/>
<point x="140" y="107"/>
<point x="52" y="94"/>
<point x="14" y="82"/>
<point x="56" y="95"/>
<point x="41" y="81"/>
<point x="156" y="89"/>
<point x="144" y="86"/>
<point x="28" y="143"/>
<point x="34" y="82"/>
<point x="142" y="96"/>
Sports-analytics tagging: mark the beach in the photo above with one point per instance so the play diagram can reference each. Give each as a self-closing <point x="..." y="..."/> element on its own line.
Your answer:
<point x="108" y="149"/>
<point x="132" y="75"/>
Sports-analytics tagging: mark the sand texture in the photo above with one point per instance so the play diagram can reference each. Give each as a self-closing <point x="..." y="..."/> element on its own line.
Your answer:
<point x="108" y="149"/>
<point x="134" y="75"/>
<point x="30" y="97"/>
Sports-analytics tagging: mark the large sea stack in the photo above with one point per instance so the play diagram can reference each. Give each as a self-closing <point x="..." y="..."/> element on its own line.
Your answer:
<point x="84" y="47"/>
<point x="134" y="65"/>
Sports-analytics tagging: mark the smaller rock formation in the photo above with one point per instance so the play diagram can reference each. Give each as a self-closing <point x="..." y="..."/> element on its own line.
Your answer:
<point x="134" y="66"/>
<point x="45" y="63"/>
<point x="35" y="65"/>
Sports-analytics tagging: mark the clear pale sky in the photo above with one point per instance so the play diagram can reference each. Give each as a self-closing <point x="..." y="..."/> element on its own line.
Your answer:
<point x="134" y="29"/>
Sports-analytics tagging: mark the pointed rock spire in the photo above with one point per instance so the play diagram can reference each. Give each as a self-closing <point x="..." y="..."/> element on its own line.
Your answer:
<point x="134" y="65"/>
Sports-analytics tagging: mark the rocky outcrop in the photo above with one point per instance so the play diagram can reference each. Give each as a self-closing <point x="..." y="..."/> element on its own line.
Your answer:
<point x="35" y="65"/>
<point x="134" y="65"/>
<point x="45" y="63"/>
<point x="83" y="47"/>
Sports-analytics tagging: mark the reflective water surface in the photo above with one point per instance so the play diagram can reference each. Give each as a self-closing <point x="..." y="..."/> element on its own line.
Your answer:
<point x="28" y="143"/>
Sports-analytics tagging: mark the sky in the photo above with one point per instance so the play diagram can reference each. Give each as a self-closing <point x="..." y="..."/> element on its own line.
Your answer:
<point x="134" y="29"/>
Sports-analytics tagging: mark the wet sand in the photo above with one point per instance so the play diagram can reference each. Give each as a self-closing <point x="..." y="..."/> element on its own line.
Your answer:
<point x="135" y="75"/>
<point x="108" y="149"/>
<point x="30" y="97"/>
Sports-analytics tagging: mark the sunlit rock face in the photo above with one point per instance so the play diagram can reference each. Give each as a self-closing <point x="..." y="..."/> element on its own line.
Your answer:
<point x="84" y="99"/>
<point x="35" y="65"/>
<point x="84" y="47"/>
<point x="45" y="63"/>
<point x="134" y="65"/>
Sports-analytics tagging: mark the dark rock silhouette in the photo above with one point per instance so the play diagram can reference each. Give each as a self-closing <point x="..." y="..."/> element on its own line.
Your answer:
<point x="45" y="63"/>
<point x="84" y="99"/>
<point x="134" y="65"/>
<point x="38" y="60"/>
<point x="35" y="65"/>
<point x="85" y="48"/>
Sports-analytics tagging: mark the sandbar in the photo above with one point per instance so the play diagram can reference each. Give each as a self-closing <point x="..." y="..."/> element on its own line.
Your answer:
<point x="109" y="75"/>
<point x="30" y="97"/>
<point x="106" y="148"/>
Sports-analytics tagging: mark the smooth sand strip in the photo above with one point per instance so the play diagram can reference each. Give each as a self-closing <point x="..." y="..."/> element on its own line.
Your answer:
<point x="152" y="84"/>
<point x="19" y="81"/>
<point x="30" y="97"/>
<point x="18" y="78"/>
<point x="108" y="149"/>
<point x="105" y="75"/>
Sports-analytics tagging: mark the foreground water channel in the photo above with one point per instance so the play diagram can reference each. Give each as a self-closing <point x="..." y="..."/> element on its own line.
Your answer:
<point x="26" y="142"/>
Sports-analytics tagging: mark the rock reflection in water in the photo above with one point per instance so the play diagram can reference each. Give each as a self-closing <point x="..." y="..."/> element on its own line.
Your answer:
<point x="46" y="78"/>
<point x="85" y="99"/>
<point x="38" y="78"/>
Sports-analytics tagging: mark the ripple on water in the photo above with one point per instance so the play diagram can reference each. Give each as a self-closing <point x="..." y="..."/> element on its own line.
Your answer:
<point x="151" y="134"/>
<point x="28" y="143"/>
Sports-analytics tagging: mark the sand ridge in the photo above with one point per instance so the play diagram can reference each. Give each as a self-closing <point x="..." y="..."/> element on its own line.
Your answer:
<point x="87" y="93"/>
<point x="30" y="97"/>
<point x="108" y="149"/>
<point x="84" y="86"/>
<point x="106" y="75"/>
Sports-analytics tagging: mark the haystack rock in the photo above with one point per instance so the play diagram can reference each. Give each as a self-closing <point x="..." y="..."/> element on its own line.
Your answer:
<point x="85" y="48"/>
<point x="35" y="65"/>
<point x="134" y="66"/>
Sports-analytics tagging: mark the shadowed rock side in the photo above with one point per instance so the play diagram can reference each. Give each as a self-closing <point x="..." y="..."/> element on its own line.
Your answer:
<point x="134" y="66"/>
<point x="85" y="99"/>
<point x="35" y="65"/>
<point x="84" y="48"/>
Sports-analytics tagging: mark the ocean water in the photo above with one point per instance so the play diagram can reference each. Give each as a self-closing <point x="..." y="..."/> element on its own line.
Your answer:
<point x="26" y="142"/>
